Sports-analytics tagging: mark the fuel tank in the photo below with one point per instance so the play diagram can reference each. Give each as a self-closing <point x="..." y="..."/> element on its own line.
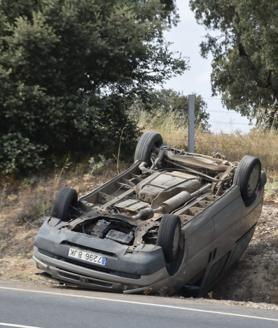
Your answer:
<point x="165" y="185"/>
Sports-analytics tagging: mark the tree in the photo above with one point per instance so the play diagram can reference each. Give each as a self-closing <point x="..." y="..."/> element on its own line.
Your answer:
<point x="69" y="70"/>
<point x="159" y="104"/>
<point x="244" y="47"/>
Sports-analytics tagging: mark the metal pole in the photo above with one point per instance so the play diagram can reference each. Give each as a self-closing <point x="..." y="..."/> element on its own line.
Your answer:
<point x="191" y="123"/>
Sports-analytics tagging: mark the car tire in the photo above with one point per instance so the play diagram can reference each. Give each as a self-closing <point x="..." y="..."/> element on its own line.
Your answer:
<point x="248" y="178"/>
<point x="146" y="145"/>
<point x="65" y="200"/>
<point x="263" y="179"/>
<point x="169" y="236"/>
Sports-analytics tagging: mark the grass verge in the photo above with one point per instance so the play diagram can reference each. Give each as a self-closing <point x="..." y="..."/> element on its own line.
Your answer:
<point x="23" y="202"/>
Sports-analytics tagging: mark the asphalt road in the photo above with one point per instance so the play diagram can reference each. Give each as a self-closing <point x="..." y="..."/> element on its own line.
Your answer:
<point x="26" y="307"/>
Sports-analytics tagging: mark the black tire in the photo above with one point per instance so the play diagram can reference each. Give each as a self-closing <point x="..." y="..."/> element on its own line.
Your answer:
<point x="65" y="200"/>
<point x="248" y="177"/>
<point x="146" y="145"/>
<point x="263" y="179"/>
<point x="169" y="236"/>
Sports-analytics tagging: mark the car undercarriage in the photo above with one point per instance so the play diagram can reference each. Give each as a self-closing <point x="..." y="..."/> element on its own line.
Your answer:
<point x="139" y="224"/>
<point x="128" y="211"/>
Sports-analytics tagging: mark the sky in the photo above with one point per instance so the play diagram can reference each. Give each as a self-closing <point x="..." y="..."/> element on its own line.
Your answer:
<point x="185" y="38"/>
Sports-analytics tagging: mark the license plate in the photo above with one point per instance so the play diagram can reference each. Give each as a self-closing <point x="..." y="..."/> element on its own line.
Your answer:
<point x="87" y="256"/>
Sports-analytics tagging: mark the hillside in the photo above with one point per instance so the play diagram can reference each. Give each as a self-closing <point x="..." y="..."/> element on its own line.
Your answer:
<point x="255" y="279"/>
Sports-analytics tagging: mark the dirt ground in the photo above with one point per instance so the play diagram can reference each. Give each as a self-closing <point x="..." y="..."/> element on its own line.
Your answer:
<point x="256" y="276"/>
<point x="255" y="279"/>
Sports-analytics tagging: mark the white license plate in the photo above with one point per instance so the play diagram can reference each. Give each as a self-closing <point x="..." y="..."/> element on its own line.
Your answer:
<point x="87" y="256"/>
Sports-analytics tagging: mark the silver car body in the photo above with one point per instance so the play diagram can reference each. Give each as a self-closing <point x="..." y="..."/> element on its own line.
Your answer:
<point x="118" y="224"/>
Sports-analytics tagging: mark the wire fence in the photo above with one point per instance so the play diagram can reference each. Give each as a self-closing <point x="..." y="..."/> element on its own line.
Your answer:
<point x="233" y="145"/>
<point x="228" y="134"/>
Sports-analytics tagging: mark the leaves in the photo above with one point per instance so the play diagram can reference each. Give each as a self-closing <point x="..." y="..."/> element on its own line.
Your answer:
<point x="244" y="50"/>
<point x="19" y="154"/>
<point x="160" y="104"/>
<point x="70" y="69"/>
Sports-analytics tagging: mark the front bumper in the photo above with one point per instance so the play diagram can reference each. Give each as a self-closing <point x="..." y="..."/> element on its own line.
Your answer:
<point x="124" y="271"/>
<point x="89" y="278"/>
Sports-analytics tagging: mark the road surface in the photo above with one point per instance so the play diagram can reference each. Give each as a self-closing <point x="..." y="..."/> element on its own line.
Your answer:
<point x="27" y="307"/>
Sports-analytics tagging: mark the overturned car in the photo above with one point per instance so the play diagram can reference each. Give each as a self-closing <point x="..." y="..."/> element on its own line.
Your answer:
<point x="172" y="220"/>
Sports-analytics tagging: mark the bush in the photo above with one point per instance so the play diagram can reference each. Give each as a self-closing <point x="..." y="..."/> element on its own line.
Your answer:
<point x="81" y="130"/>
<point x="19" y="154"/>
<point x="68" y="72"/>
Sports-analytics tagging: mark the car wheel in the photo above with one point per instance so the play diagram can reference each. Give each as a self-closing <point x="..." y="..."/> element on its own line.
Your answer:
<point x="65" y="200"/>
<point x="248" y="176"/>
<point x="169" y="236"/>
<point x="263" y="179"/>
<point x="147" y="147"/>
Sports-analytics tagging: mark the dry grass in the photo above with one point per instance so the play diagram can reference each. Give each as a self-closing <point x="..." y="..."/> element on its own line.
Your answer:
<point x="23" y="202"/>
<point x="234" y="146"/>
<point x="31" y="197"/>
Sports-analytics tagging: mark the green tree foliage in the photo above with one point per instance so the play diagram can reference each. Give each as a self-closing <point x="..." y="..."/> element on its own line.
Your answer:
<point x="161" y="103"/>
<point x="244" y="47"/>
<point x="69" y="70"/>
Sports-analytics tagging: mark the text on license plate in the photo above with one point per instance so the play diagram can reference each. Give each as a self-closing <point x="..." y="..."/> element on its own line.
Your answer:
<point x="87" y="256"/>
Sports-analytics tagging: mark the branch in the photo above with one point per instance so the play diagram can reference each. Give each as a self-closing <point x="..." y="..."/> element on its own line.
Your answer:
<point x="263" y="84"/>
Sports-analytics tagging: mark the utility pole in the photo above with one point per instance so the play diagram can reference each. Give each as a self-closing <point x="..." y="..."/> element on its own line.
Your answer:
<point x="191" y="123"/>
